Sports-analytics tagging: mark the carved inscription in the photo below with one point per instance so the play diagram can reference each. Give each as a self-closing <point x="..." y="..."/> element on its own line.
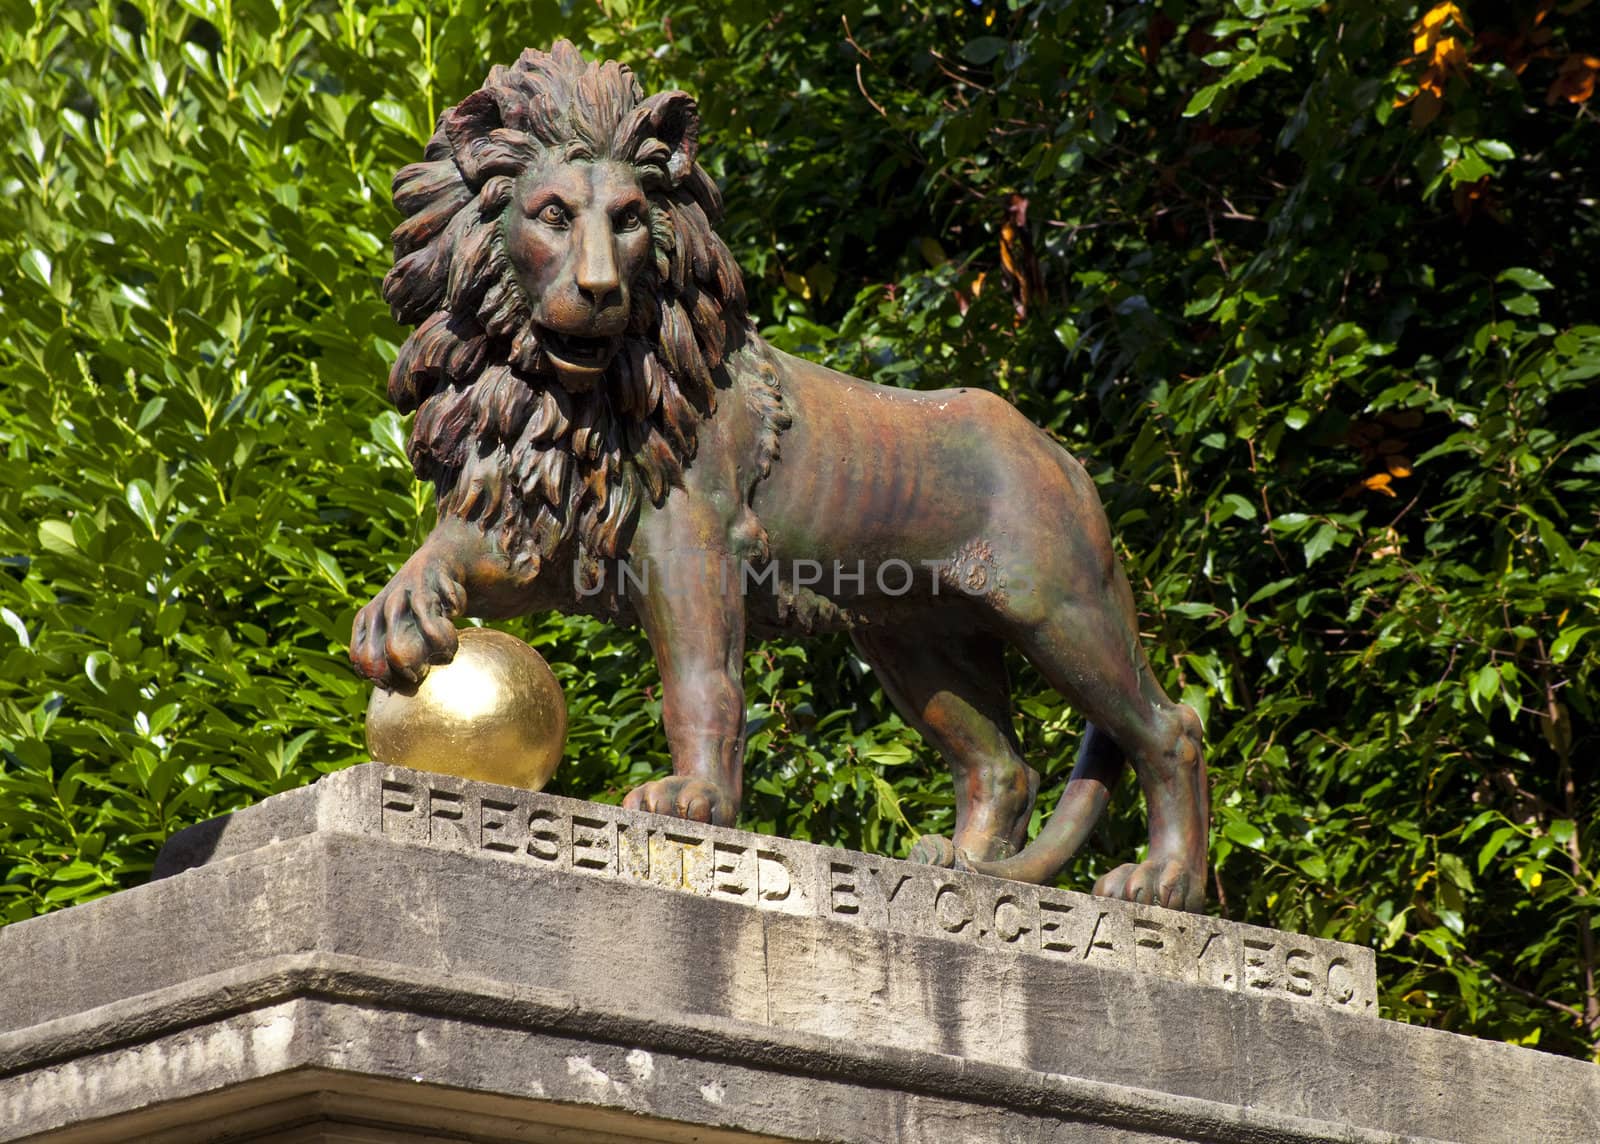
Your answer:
<point x="585" y="838"/>
<point x="497" y="825"/>
<point x="790" y="877"/>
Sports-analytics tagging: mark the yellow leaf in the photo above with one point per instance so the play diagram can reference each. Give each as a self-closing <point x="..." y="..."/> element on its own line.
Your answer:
<point x="1448" y="53"/>
<point x="1378" y="483"/>
<point x="1398" y="466"/>
<point x="1576" y="80"/>
<point x="1439" y="13"/>
<point x="1008" y="235"/>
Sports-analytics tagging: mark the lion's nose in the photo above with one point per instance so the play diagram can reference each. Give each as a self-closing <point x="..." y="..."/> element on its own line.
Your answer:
<point x="600" y="297"/>
<point x="600" y="293"/>
<point x="598" y="281"/>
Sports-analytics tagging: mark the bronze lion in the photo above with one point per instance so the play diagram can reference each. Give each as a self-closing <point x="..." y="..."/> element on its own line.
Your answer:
<point x="607" y="434"/>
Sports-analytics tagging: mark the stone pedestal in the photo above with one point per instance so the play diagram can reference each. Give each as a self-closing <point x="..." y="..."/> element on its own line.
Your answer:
<point x="395" y="956"/>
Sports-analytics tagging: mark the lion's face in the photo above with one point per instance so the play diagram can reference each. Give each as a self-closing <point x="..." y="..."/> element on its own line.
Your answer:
<point x="577" y="234"/>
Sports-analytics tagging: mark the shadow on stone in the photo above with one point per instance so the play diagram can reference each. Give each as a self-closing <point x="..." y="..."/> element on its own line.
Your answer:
<point x="190" y="848"/>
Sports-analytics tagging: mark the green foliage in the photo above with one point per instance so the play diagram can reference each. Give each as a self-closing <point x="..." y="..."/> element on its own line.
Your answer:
<point x="1304" y="288"/>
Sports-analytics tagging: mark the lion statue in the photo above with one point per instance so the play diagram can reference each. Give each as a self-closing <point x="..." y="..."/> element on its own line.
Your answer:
<point x="607" y="434"/>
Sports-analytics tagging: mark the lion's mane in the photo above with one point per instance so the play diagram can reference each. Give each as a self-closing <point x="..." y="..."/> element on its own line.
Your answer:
<point x="505" y="445"/>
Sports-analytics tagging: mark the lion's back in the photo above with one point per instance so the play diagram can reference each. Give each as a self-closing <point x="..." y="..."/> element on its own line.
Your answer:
<point x="873" y="467"/>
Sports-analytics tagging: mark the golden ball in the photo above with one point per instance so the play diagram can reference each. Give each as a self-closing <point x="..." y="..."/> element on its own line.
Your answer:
<point x="494" y="713"/>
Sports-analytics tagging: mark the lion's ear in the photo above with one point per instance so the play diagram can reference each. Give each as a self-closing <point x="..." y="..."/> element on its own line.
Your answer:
<point x="663" y="131"/>
<point x="481" y="146"/>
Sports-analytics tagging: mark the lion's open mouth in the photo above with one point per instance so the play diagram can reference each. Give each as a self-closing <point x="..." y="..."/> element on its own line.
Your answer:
<point x="577" y="353"/>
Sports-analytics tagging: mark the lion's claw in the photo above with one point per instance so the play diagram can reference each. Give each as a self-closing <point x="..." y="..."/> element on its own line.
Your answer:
<point x="1169" y="882"/>
<point x="684" y="796"/>
<point x="407" y="627"/>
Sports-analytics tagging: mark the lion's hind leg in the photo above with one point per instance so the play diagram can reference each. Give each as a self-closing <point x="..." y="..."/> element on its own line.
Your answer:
<point x="953" y="689"/>
<point x="1088" y="648"/>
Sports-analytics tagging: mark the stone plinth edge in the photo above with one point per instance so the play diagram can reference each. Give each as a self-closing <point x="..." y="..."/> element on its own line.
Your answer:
<point x="305" y="989"/>
<point x="389" y="956"/>
<point x="593" y="840"/>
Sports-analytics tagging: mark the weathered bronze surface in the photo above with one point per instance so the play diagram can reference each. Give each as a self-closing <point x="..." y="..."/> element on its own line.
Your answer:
<point x="495" y="713"/>
<point x="607" y="434"/>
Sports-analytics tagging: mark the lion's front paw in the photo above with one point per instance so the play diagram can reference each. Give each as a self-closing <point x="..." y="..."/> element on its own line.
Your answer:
<point x="684" y="796"/>
<point x="1170" y="882"/>
<point x="406" y="628"/>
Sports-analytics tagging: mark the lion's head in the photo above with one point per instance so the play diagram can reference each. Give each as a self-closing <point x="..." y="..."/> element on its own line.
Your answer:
<point x="573" y="305"/>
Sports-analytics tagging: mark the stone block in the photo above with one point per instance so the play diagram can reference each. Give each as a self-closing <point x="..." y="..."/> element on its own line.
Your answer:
<point x="391" y="955"/>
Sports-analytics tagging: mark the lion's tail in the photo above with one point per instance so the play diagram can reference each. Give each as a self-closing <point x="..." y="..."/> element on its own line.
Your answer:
<point x="1099" y="766"/>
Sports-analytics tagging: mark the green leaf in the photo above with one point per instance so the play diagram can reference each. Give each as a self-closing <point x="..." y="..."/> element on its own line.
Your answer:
<point x="1319" y="544"/>
<point x="1561" y="647"/>
<point x="141" y="499"/>
<point x="1202" y="99"/>
<point x="1527" y="279"/>
<point x="1469" y="168"/>
<point x="1246" y="835"/>
<point x="394" y="115"/>
<point x="983" y="50"/>
<point x="56" y="536"/>
<point x="330" y="569"/>
<point x="36" y="265"/>
<point x="1438" y="941"/>
<point x="1494" y="845"/>
<point x="1486" y="682"/>
<point x="18" y="628"/>
<point x="1267" y="591"/>
<point x="1456" y="870"/>
<point x="1234" y="505"/>
<point x="150" y="413"/>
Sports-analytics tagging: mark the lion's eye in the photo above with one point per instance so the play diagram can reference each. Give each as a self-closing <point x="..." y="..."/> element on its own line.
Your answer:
<point x="553" y="214"/>
<point x="629" y="220"/>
